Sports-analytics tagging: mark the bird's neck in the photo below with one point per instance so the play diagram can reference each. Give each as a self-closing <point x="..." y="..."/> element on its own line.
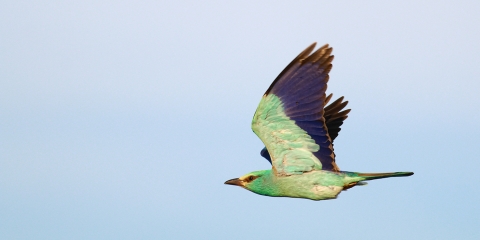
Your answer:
<point x="267" y="185"/>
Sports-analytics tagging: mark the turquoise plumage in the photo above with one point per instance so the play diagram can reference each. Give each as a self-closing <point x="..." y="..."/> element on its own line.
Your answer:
<point x="298" y="132"/>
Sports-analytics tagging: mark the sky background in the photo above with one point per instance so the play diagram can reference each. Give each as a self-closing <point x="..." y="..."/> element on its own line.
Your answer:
<point x="123" y="119"/>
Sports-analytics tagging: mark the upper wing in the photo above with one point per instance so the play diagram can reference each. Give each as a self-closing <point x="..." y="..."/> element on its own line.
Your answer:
<point x="334" y="117"/>
<point x="290" y="117"/>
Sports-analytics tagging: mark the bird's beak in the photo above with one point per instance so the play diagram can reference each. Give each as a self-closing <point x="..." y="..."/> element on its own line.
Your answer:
<point x="235" y="181"/>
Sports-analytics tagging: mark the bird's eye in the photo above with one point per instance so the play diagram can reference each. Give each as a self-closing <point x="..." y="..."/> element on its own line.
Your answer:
<point x="251" y="178"/>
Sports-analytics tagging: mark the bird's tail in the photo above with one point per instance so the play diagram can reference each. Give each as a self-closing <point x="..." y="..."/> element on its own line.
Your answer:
<point x="372" y="176"/>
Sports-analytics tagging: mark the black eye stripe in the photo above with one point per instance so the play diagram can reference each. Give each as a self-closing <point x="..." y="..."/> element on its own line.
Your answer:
<point x="251" y="178"/>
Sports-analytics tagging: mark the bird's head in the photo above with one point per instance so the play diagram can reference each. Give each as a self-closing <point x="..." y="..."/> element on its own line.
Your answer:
<point x="258" y="182"/>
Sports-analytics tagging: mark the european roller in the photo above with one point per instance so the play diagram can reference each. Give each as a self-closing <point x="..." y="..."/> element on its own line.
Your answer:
<point x="298" y="129"/>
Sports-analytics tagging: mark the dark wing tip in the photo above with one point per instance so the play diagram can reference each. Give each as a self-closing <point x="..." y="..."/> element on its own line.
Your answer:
<point x="334" y="115"/>
<point x="320" y="55"/>
<point x="301" y="58"/>
<point x="327" y="99"/>
<point x="307" y="51"/>
<point x="334" y="104"/>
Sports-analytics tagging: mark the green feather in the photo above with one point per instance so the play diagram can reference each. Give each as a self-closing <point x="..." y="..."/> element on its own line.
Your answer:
<point x="290" y="146"/>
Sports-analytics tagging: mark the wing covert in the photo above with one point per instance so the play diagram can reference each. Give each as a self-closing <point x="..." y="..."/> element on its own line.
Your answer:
<point x="290" y="147"/>
<point x="334" y="117"/>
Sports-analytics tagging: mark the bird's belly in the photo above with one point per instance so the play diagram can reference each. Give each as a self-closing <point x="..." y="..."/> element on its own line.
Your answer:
<point x="315" y="192"/>
<point x="325" y="192"/>
<point x="315" y="186"/>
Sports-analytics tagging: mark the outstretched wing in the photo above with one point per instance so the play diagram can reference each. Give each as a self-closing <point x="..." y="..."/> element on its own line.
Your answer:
<point x="334" y="117"/>
<point x="290" y="117"/>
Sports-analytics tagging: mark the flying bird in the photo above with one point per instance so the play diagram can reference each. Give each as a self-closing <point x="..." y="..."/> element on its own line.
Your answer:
<point x="298" y="129"/>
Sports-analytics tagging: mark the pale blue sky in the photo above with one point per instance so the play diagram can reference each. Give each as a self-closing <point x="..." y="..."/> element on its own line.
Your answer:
<point x="122" y="119"/>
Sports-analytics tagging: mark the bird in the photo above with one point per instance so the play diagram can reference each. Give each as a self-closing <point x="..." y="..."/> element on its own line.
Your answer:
<point x="298" y="128"/>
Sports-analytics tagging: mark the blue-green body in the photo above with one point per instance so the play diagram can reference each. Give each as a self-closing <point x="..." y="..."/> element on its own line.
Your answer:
<point x="314" y="185"/>
<point x="298" y="130"/>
